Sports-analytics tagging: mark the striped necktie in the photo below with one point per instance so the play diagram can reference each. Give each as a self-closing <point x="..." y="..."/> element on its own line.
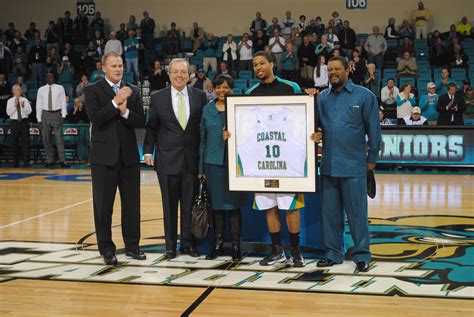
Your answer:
<point x="182" y="119"/>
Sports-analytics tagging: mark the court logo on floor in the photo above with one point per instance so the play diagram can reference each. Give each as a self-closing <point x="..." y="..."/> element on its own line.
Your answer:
<point x="409" y="260"/>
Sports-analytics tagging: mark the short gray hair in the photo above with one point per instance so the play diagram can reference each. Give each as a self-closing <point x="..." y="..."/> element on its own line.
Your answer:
<point x="179" y="60"/>
<point x="109" y="54"/>
<point x="16" y="85"/>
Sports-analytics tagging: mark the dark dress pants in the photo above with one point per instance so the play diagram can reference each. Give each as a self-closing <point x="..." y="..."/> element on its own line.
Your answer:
<point x="178" y="188"/>
<point x="105" y="180"/>
<point x="20" y="141"/>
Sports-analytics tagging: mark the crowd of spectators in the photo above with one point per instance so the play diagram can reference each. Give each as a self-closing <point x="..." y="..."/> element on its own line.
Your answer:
<point x="71" y="49"/>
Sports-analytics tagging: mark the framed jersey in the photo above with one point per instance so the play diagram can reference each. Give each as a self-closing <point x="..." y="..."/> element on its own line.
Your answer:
<point x="269" y="149"/>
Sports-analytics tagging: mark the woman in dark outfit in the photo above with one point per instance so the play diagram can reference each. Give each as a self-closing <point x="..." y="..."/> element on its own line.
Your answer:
<point x="213" y="167"/>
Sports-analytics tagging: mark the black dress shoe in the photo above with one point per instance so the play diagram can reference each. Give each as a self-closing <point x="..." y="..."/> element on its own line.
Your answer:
<point x="136" y="254"/>
<point x="169" y="254"/>
<point x="110" y="259"/>
<point x="326" y="263"/>
<point x="217" y="251"/>
<point x="236" y="254"/>
<point x="64" y="165"/>
<point x="362" y="266"/>
<point x="192" y="251"/>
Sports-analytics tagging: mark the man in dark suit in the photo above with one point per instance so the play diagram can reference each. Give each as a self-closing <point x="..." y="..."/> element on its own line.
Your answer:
<point x="450" y="107"/>
<point x="172" y="131"/>
<point x="115" y="110"/>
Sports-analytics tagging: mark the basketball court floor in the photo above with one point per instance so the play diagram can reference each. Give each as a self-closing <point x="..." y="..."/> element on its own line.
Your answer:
<point x="422" y="240"/>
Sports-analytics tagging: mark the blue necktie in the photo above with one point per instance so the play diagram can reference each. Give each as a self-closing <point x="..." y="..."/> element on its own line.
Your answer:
<point x="116" y="88"/>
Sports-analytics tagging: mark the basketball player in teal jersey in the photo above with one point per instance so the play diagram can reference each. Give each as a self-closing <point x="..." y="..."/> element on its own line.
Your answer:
<point x="269" y="84"/>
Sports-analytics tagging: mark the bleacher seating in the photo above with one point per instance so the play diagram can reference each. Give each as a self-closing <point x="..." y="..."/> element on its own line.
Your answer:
<point x="406" y="80"/>
<point x="424" y="73"/>
<point x="197" y="61"/>
<point x="128" y="76"/>
<point x="245" y="74"/>
<point x="389" y="73"/>
<point x="211" y="75"/>
<point x="253" y="82"/>
<point x="32" y="94"/>
<point x="458" y="74"/>
<point x="240" y="83"/>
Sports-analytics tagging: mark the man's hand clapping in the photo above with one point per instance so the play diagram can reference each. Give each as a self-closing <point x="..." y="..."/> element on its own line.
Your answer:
<point x="122" y="95"/>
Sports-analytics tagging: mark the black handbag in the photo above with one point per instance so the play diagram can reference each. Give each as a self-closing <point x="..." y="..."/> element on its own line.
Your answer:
<point x="371" y="184"/>
<point x="201" y="212"/>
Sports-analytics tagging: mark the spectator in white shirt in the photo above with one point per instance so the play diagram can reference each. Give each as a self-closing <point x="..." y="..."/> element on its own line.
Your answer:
<point x="229" y="50"/>
<point x="50" y="112"/>
<point x="18" y="109"/>
<point x="113" y="45"/>
<point x="321" y="79"/>
<point x="415" y="118"/>
<point x="277" y="46"/>
<point x="388" y="96"/>
<point x="245" y="52"/>
<point x="376" y="46"/>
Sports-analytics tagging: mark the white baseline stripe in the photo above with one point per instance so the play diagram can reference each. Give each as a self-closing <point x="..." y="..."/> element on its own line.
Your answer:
<point x="45" y="214"/>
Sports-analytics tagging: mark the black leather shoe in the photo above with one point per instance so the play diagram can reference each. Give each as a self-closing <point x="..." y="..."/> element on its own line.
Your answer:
<point x="136" y="254"/>
<point x="110" y="259"/>
<point x="236" y="254"/>
<point x="362" y="266"/>
<point x="326" y="263"/>
<point x="192" y="251"/>
<point x="169" y="254"/>
<point x="217" y="251"/>
<point x="214" y="254"/>
<point x="64" y="165"/>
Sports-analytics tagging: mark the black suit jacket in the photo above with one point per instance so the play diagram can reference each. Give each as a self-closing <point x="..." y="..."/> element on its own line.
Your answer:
<point x="111" y="132"/>
<point x="173" y="146"/>
<point x="445" y="115"/>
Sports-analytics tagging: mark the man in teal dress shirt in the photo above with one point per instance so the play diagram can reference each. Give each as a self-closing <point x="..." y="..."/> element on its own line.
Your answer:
<point x="348" y="114"/>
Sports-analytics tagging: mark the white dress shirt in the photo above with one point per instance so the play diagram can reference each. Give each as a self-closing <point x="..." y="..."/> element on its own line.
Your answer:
<point x="58" y="100"/>
<point x="25" y="108"/>
<point x="174" y="100"/>
<point x="125" y="115"/>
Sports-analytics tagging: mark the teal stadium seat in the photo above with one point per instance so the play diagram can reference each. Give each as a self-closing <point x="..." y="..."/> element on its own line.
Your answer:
<point x="253" y="82"/>
<point x="240" y="83"/>
<point x="211" y="75"/>
<point x="245" y="74"/>
<point x="196" y="60"/>
<point x="128" y="77"/>
<point x="406" y="80"/>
